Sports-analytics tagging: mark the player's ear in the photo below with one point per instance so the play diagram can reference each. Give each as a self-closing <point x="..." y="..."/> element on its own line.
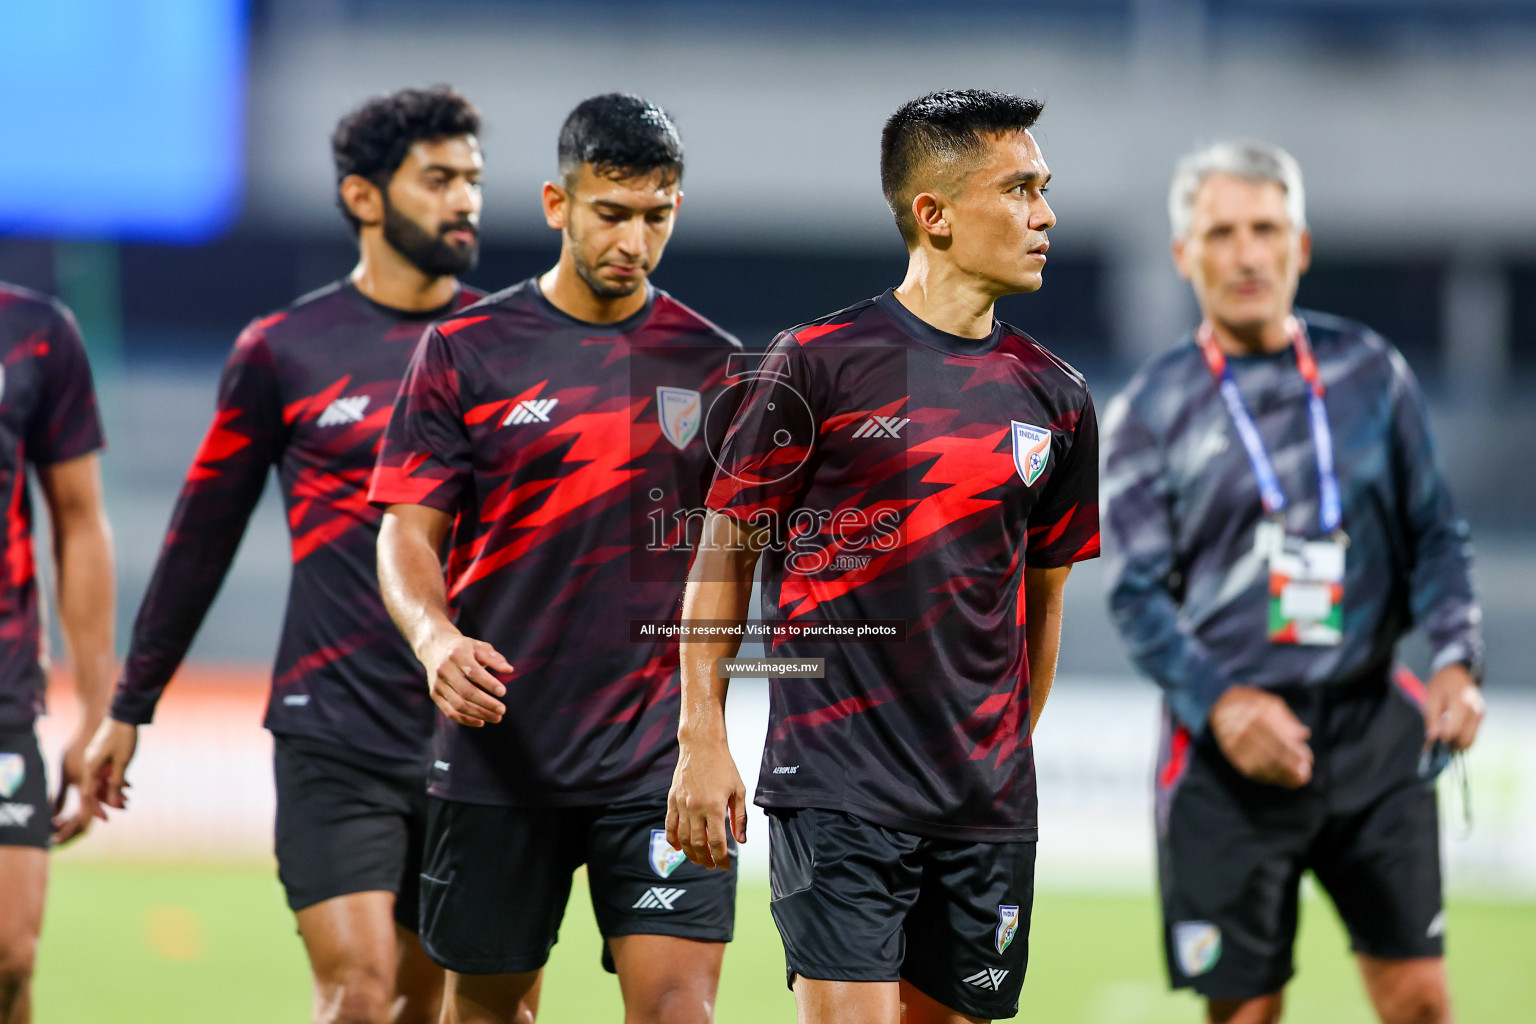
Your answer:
<point x="928" y="211"/>
<point x="1180" y="257"/>
<point x="1304" y="243"/>
<point x="363" y="199"/>
<point x="557" y="205"/>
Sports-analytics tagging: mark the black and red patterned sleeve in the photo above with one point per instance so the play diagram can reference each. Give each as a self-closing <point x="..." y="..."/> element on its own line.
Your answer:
<point x="1064" y="524"/>
<point x="68" y="423"/>
<point x="763" y="468"/>
<point x="427" y="457"/>
<point x="220" y="492"/>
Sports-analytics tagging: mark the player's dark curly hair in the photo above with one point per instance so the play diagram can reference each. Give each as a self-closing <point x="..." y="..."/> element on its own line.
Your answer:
<point x="372" y="140"/>
<point x="940" y="129"/>
<point x="621" y="136"/>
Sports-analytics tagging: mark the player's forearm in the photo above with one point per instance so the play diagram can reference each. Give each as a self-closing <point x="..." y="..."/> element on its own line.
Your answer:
<point x="1442" y="597"/>
<point x="206" y="528"/>
<point x="1147" y="618"/>
<point x="1043" y="600"/>
<point x="719" y="590"/>
<point x="411" y="580"/>
<point x="82" y="557"/>
<point x="86" y="588"/>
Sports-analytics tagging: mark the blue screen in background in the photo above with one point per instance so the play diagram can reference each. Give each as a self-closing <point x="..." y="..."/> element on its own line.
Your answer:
<point x="121" y="118"/>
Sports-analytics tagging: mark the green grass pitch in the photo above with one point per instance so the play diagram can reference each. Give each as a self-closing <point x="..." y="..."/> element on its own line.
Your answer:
<point x="134" y="944"/>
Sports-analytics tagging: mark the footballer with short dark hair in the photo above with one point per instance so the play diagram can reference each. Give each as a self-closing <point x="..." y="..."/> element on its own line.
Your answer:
<point x="951" y="462"/>
<point x="307" y="390"/>
<point x="534" y="435"/>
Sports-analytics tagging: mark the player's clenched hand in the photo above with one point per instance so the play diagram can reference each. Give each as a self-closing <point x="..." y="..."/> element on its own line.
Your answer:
<point x="706" y="798"/>
<point x="459" y="676"/>
<point x="1262" y="737"/>
<point x="106" y="765"/>
<point x="1453" y="708"/>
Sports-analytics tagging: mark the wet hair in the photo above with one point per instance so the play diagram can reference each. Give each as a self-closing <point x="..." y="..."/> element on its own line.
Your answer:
<point x="1251" y="161"/>
<point x="373" y="140"/>
<point x="931" y="140"/>
<point x="621" y="136"/>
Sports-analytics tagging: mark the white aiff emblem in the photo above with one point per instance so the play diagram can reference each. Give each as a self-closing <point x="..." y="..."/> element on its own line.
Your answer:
<point x="664" y="859"/>
<point x="1007" y="926"/>
<point x="1031" y="449"/>
<point x="1197" y="945"/>
<point x="13" y="772"/>
<point x="680" y="411"/>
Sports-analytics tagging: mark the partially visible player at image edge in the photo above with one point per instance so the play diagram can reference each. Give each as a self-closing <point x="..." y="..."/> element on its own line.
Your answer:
<point x="49" y="423"/>
<point x="307" y="391"/>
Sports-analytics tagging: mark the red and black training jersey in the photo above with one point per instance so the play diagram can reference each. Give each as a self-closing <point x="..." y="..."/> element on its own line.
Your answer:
<point x="48" y="415"/>
<point x="307" y="390"/>
<point x="560" y="446"/>
<point x="909" y="476"/>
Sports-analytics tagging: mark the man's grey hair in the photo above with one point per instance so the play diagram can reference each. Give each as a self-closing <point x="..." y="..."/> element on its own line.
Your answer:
<point x="1251" y="161"/>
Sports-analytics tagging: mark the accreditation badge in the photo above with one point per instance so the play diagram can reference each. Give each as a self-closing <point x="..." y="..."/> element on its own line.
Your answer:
<point x="1306" y="588"/>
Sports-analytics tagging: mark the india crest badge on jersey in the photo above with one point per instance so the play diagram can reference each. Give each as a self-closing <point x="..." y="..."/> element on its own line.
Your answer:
<point x="13" y="772"/>
<point x="1007" y="926"/>
<point x="664" y="859"/>
<point x="681" y="411"/>
<point x="1031" y="449"/>
<point x="1197" y="944"/>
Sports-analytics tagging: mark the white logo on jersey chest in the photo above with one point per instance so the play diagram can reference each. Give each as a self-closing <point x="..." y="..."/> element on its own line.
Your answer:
<point x="531" y="410"/>
<point x="882" y="426"/>
<point x="343" y="411"/>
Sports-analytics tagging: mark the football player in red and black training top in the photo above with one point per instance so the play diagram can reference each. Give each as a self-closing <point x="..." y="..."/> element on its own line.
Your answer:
<point x="910" y="461"/>
<point x="308" y="390"/>
<point x="552" y="427"/>
<point x="48" y="420"/>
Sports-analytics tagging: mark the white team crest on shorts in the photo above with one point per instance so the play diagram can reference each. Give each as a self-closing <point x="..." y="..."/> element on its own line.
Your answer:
<point x="13" y="772"/>
<point x="1007" y="926"/>
<point x="1197" y="945"/>
<point x="680" y="411"/>
<point x="664" y="859"/>
<point x="1031" y="449"/>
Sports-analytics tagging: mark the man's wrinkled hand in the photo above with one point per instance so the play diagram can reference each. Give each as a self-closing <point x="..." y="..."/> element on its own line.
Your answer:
<point x="1262" y="737"/>
<point x="1453" y="708"/>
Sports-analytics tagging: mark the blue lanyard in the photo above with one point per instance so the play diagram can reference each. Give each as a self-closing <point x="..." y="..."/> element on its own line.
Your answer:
<point x="1330" y="512"/>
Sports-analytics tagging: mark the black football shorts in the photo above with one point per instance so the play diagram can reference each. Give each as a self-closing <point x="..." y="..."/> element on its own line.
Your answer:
<point x="496" y="881"/>
<point x="25" y="816"/>
<point x="1232" y="852"/>
<point x="346" y="826"/>
<point x="855" y="901"/>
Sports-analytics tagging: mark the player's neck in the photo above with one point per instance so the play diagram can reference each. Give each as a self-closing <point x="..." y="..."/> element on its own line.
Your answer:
<point x="389" y="279"/>
<point x="567" y="292"/>
<point x="1251" y="339"/>
<point x="942" y="297"/>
